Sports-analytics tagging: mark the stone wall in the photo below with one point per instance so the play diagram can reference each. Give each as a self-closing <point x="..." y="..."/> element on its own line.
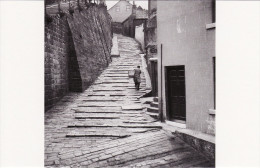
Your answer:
<point x="128" y="27"/>
<point x="77" y="50"/>
<point x="91" y="32"/>
<point x="56" y="60"/>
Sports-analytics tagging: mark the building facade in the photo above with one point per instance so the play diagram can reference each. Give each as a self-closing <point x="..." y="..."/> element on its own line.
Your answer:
<point x="151" y="45"/>
<point x="186" y="63"/>
<point x="126" y="16"/>
<point x="120" y="11"/>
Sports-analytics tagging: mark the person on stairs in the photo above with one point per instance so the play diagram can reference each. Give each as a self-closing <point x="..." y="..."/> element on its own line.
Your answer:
<point x="137" y="77"/>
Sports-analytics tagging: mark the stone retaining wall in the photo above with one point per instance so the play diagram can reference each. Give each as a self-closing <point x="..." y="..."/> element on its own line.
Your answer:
<point x="77" y="50"/>
<point x="56" y="60"/>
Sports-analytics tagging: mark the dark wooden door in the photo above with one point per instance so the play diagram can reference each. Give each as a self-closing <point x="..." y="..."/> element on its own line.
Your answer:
<point x="176" y="101"/>
<point x="154" y="78"/>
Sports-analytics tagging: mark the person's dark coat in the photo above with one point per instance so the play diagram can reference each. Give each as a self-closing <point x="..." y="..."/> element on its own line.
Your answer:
<point x="137" y="76"/>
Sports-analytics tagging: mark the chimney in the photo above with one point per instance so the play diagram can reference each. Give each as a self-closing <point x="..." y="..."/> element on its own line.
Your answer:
<point x="134" y="9"/>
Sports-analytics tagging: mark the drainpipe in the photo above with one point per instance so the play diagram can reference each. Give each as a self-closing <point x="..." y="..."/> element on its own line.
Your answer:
<point x="59" y="10"/>
<point x="161" y="101"/>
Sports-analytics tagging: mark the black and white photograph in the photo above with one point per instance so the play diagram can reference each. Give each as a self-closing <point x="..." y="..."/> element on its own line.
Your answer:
<point x="129" y="83"/>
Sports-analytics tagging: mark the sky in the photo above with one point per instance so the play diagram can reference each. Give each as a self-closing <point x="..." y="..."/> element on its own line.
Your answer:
<point x="143" y="4"/>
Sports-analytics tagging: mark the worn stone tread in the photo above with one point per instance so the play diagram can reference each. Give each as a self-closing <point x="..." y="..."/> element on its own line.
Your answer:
<point x="121" y="126"/>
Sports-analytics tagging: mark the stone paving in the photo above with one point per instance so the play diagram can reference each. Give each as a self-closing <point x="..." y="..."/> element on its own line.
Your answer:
<point x="106" y="126"/>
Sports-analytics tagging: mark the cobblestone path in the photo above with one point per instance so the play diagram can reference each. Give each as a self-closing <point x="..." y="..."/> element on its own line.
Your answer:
<point x="106" y="126"/>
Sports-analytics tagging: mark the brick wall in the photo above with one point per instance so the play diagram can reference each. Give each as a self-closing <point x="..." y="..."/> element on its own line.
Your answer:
<point x="77" y="50"/>
<point x="56" y="60"/>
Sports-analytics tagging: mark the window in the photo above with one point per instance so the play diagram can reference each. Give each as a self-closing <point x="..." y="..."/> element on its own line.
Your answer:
<point x="127" y="7"/>
<point x="117" y="9"/>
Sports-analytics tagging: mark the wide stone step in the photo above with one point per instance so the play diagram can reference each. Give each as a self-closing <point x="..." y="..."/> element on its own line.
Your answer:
<point x="117" y="95"/>
<point x="120" y="86"/>
<point x="116" y="71"/>
<point x="97" y="109"/>
<point x="98" y="104"/>
<point x="103" y="132"/>
<point x="132" y="107"/>
<point x="107" y="93"/>
<point x="152" y="109"/>
<point x="104" y="115"/>
<point x="94" y="134"/>
<point x="116" y="78"/>
<point x="108" y="82"/>
<point x="137" y="122"/>
<point x="119" y="126"/>
<point x="106" y="98"/>
<point x="114" y="85"/>
<point x="102" y="100"/>
<point x="96" y="117"/>
<point x="124" y="65"/>
<point x="116" y="75"/>
<point x="107" y="89"/>
<point x="96" y="94"/>
<point x="98" y="112"/>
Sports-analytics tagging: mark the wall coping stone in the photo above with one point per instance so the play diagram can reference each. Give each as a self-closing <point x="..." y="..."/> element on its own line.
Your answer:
<point x="212" y="111"/>
<point x="153" y="59"/>
<point x="211" y="26"/>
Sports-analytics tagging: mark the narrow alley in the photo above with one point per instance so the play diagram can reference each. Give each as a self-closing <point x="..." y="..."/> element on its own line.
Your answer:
<point x="106" y="125"/>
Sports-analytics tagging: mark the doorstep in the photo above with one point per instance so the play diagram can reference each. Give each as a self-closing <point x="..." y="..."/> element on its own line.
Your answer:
<point x="175" y="124"/>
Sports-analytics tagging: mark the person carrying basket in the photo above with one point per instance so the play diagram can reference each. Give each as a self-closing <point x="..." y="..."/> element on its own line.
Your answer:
<point x="137" y="77"/>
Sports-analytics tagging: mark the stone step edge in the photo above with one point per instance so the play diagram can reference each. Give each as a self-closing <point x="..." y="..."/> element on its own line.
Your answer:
<point x="119" y="126"/>
<point x="154" y="104"/>
<point x="156" y="99"/>
<point x="103" y="118"/>
<point x="154" y="115"/>
<point x="204" y="143"/>
<point x="96" y="135"/>
<point x="152" y="110"/>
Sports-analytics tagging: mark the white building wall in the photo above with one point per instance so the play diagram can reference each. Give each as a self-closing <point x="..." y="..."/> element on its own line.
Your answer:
<point x="139" y="34"/>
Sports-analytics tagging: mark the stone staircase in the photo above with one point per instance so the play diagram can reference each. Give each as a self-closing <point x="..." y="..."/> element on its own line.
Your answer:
<point x="153" y="110"/>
